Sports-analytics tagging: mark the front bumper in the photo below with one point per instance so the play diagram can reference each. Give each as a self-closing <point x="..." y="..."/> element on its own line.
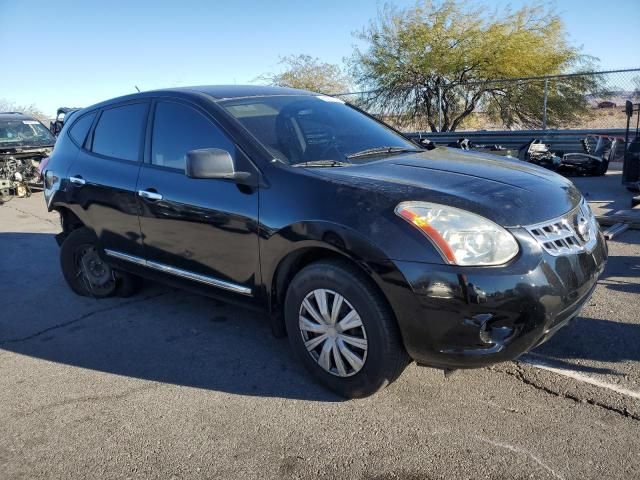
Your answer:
<point x="465" y="317"/>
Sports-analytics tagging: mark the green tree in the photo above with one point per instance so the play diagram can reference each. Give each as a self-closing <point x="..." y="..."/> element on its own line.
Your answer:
<point x="309" y="73"/>
<point x="446" y="53"/>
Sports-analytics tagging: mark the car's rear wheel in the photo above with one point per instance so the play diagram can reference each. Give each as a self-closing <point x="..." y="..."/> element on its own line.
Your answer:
<point x="87" y="273"/>
<point x="342" y="330"/>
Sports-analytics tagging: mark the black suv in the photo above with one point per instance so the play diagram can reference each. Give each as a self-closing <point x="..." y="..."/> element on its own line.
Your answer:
<point x="367" y="250"/>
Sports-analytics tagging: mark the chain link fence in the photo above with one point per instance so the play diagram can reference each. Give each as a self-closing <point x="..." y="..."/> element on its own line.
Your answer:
<point x="591" y="100"/>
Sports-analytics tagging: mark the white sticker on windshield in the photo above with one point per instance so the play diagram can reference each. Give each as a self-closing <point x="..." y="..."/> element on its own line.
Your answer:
<point x="329" y="99"/>
<point x="30" y="122"/>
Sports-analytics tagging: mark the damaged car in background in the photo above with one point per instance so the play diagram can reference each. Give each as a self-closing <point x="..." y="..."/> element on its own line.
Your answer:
<point x="24" y="143"/>
<point x="62" y="115"/>
<point x="597" y="152"/>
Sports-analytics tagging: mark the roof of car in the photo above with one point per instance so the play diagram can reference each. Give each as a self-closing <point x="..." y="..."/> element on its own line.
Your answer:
<point x="15" y="116"/>
<point x="216" y="92"/>
<point x="238" y="91"/>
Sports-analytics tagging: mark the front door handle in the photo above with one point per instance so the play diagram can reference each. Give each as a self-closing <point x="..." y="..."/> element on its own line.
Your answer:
<point x="77" y="180"/>
<point x="149" y="195"/>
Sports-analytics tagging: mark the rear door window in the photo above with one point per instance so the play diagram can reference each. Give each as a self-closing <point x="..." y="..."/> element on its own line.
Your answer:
<point x="119" y="132"/>
<point x="177" y="129"/>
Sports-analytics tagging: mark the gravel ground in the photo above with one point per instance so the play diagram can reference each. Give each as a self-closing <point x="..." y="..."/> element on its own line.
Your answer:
<point x="167" y="384"/>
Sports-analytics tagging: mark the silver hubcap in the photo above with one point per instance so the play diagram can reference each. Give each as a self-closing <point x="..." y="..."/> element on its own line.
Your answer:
<point x="333" y="332"/>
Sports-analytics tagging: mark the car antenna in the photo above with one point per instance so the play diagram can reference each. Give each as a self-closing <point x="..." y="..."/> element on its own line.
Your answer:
<point x="137" y="88"/>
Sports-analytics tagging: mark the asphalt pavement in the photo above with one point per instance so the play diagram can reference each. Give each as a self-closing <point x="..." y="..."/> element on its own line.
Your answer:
<point x="167" y="384"/>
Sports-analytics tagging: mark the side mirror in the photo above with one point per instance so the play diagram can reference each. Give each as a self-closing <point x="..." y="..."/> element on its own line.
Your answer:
<point x="628" y="108"/>
<point x="212" y="163"/>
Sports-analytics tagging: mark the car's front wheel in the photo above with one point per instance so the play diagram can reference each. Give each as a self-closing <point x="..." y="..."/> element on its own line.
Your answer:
<point x="342" y="329"/>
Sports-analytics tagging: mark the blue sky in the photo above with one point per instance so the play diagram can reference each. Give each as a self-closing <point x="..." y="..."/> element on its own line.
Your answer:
<point x="63" y="52"/>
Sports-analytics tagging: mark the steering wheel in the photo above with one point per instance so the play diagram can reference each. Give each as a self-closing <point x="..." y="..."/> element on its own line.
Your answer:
<point x="331" y="147"/>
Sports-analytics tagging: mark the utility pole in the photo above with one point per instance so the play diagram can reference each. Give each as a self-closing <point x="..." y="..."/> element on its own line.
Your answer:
<point x="439" y="109"/>
<point x="544" y="107"/>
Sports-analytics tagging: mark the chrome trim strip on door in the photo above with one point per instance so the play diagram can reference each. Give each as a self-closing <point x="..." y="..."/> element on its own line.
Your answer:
<point x="124" y="256"/>
<point x="199" y="278"/>
<point x="233" y="287"/>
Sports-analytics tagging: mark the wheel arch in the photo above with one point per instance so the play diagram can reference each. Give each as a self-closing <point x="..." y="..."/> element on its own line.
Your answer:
<point x="333" y="244"/>
<point x="294" y="262"/>
<point x="68" y="220"/>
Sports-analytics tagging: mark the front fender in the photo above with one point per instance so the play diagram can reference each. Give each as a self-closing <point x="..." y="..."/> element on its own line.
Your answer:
<point x="282" y="248"/>
<point x="276" y="246"/>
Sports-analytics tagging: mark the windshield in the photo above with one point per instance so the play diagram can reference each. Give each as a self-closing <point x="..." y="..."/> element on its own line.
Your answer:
<point x="312" y="129"/>
<point x="24" y="133"/>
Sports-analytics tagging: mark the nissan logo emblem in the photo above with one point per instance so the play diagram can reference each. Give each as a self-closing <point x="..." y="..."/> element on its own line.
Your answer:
<point x="582" y="226"/>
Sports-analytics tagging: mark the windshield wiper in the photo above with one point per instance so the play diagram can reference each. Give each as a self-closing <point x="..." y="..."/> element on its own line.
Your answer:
<point x="322" y="163"/>
<point x="382" y="151"/>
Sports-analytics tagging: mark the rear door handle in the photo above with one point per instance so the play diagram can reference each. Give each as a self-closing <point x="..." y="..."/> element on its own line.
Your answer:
<point x="77" y="180"/>
<point x="149" y="195"/>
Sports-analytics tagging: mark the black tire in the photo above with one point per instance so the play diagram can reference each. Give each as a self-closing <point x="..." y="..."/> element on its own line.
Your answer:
<point x="74" y="246"/>
<point x="386" y="357"/>
<point x="601" y="169"/>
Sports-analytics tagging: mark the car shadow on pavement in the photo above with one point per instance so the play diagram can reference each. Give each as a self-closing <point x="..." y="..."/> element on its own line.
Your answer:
<point x="176" y="337"/>
<point x="601" y="340"/>
<point x="605" y="194"/>
<point x="593" y="340"/>
<point x="160" y="334"/>
<point x="619" y="268"/>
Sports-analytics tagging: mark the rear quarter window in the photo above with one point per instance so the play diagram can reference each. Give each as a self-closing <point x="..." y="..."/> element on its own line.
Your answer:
<point x="81" y="127"/>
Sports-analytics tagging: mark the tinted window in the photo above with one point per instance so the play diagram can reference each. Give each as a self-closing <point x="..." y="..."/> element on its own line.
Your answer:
<point x="177" y="129"/>
<point x="80" y="128"/>
<point x="119" y="131"/>
<point x="307" y="128"/>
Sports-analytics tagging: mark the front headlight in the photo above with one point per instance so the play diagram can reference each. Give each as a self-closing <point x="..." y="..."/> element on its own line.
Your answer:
<point x="461" y="237"/>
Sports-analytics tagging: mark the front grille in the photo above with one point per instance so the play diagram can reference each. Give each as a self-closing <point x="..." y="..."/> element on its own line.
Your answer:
<point x="572" y="233"/>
